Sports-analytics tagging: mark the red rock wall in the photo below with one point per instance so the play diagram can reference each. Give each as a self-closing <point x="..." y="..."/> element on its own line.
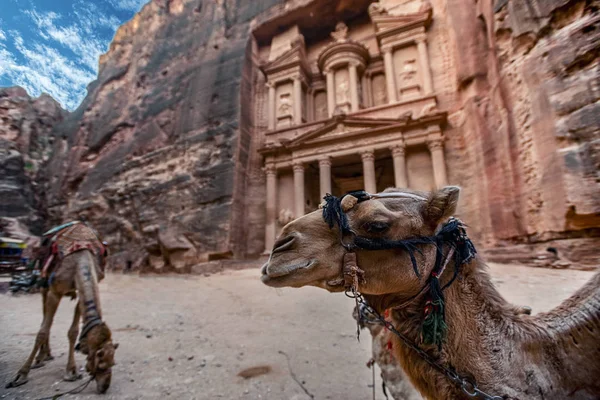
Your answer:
<point x="528" y="77"/>
<point x="162" y="141"/>
<point x="164" y="145"/>
<point x="25" y="141"/>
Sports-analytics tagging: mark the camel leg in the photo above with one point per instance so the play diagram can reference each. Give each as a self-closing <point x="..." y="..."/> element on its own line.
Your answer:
<point x="44" y="354"/>
<point x="72" y="374"/>
<point x="52" y="301"/>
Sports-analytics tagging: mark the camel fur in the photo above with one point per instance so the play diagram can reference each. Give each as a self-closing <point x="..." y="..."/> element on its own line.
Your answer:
<point x="548" y="356"/>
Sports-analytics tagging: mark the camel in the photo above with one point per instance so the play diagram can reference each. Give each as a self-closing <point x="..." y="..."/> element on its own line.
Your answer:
<point x="77" y="271"/>
<point x="508" y="355"/>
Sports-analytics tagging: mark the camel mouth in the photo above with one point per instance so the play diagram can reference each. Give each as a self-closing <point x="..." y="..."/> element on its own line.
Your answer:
<point x="273" y="275"/>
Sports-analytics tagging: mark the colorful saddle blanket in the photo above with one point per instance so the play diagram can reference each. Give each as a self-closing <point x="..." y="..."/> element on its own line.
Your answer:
<point x="66" y="239"/>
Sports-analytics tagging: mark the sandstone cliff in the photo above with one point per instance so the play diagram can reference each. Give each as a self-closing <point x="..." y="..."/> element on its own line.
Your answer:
<point x="161" y="155"/>
<point x="25" y="141"/>
<point x="528" y="74"/>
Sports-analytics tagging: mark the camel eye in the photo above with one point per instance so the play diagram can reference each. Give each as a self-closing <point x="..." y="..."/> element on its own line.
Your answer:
<point x="376" y="227"/>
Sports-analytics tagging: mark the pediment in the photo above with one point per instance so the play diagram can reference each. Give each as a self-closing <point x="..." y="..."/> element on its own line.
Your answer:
<point x="294" y="56"/>
<point x="386" y="23"/>
<point x="336" y="129"/>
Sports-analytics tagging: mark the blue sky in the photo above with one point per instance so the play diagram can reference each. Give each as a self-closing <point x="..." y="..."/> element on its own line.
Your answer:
<point x="53" y="46"/>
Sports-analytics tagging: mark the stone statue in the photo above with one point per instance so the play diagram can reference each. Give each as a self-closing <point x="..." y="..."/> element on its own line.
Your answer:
<point x="376" y="9"/>
<point x="285" y="105"/>
<point x="285" y="216"/>
<point x="341" y="32"/>
<point x="343" y="92"/>
<point x="409" y="72"/>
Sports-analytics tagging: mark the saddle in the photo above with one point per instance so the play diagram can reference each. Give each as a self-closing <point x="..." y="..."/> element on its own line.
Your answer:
<point x="67" y="239"/>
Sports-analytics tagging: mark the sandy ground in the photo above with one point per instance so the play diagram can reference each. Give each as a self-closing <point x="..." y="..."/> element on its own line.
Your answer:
<point x="187" y="337"/>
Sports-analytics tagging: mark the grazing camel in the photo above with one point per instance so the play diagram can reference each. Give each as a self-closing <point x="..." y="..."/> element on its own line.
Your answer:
<point x="509" y="355"/>
<point x="77" y="270"/>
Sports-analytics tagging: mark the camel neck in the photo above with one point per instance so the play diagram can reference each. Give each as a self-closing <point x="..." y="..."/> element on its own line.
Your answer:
<point x="474" y="312"/>
<point x="87" y="287"/>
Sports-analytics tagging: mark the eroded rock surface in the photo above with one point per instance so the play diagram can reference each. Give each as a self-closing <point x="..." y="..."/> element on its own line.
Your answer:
<point x="166" y="139"/>
<point x="528" y="76"/>
<point x="25" y="140"/>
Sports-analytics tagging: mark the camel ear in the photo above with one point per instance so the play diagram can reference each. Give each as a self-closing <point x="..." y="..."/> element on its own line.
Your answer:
<point x="116" y="345"/>
<point x="348" y="202"/>
<point x="441" y="205"/>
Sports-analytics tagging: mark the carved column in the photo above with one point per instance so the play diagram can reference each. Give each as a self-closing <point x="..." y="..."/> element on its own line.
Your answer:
<point x="297" y="100"/>
<point x="330" y="92"/>
<point x="310" y="105"/>
<point x="272" y="107"/>
<point x="436" y="147"/>
<point x="353" y="87"/>
<point x="271" y="222"/>
<point x="424" y="63"/>
<point x="390" y="75"/>
<point x="298" y="189"/>
<point x="400" y="176"/>
<point x="368" y="160"/>
<point x="325" y="176"/>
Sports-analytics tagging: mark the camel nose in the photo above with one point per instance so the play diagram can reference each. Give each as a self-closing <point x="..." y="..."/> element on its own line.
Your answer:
<point x="284" y="244"/>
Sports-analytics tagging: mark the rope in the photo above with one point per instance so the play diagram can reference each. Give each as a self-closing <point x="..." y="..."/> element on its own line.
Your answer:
<point x="76" y="390"/>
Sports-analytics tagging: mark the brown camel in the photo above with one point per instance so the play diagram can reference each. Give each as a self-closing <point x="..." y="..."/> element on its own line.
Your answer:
<point x="77" y="274"/>
<point x="553" y="355"/>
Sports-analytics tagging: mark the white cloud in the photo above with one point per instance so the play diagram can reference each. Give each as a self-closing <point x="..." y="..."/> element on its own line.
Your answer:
<point x="80" y="40"/>
<point x="58" y="53"/>
<point x="128" y="5"/>
<point x="61" y="78"/>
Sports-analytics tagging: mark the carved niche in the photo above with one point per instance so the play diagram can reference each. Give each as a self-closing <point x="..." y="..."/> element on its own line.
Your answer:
<point x="379" y="90"/>
<point x="320" y="103"/>
<point x="408" y="78"/>
<point x="342" y="91"/>
<point x="284" y="105"/>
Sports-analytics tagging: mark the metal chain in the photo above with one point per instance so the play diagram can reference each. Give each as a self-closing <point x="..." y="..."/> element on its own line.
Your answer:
<point x="466" y="385"/>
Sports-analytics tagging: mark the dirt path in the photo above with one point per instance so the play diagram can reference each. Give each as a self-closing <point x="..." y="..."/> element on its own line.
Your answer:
<point x="188" y="337"/>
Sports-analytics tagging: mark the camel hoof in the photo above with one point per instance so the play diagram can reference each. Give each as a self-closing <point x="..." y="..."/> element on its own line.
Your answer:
<point x="49" y="357"/>
<point x="72" y="377"/>
<point x="38" y="364"/>
<point x="18" y="381"/>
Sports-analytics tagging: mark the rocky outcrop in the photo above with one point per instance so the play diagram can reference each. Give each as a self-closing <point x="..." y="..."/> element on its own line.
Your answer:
<point x="161" y="156"/>
<point x="25" y="141"/>
<point x="528" y="76"/>
<point x="159" y="140"/>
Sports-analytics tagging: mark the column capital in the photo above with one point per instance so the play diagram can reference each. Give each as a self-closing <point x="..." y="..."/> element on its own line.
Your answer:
<point x="367" y="155"/>
<point x="270" y="169"/>
<point x="435" y="144"/>
<point x="387" y="49"/>
<point x="421" y="38"/>
<point x="398" y="149"/>
<point x="325" y="161"/>
<point x="299" y="77"/>
<point x="270" y="84"/>
<point x="298" y="166"/>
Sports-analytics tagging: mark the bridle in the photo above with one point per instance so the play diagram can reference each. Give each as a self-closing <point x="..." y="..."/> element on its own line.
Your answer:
<point x="460" y="249"/>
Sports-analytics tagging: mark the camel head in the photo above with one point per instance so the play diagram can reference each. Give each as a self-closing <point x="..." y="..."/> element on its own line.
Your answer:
<point x="310" y="253"/>
<point x="100" y="351"/>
